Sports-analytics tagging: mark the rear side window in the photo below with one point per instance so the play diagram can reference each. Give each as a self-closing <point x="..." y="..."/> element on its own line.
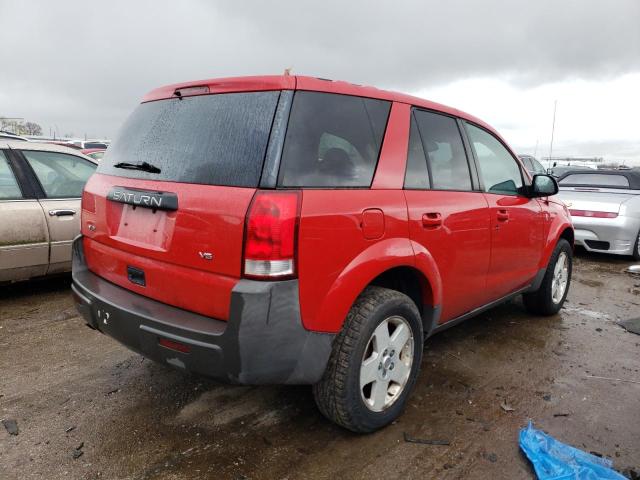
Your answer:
<point x="332" y="140"/>
<point x="61" y="175"/>
<point x="8" y="185"/>
<point x="208" y="139"/>
<point x="595" y="179"/>
<point x="444" y="149"/>
<point x="417" y="175"/>
<point x="499" y="170"/>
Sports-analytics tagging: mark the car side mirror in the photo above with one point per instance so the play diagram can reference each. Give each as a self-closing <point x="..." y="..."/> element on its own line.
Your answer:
<point x="543" y="186"/>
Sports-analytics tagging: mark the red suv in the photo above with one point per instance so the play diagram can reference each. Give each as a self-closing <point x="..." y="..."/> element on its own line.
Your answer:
<point x="297" y="230"/>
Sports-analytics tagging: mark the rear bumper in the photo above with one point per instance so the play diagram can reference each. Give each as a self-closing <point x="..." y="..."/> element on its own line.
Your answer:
<point x="620" y="233"/>
<point x="263" y="342"/>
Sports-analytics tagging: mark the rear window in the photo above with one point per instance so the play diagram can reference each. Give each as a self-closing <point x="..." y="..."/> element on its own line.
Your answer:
<point x="208" y="139"/>
<point x="595" y="180"/>
<point x="332" y="140"/>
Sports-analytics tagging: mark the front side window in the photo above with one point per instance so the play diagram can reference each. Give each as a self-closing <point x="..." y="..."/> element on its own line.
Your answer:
<point x="9" y="189"/>
<point x="499" y="170"/>
<point x="444" y="149"/>
<point x="332" y="140"/>
<point x="61" y="175"/>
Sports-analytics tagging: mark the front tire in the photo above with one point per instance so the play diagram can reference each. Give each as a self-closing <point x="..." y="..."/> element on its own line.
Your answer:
<point x="374" y="362"/>
<point x="550" y="297"/>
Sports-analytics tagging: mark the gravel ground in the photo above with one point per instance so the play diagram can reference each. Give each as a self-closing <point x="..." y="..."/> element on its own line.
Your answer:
<point x="86" y="407"/>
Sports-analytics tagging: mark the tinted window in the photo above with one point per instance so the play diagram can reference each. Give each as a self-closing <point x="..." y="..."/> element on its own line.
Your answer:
<point x="444" y="149"/>
<point x="332" y="140"/>
<point x="61" y="175"/>
<point x="95" y="145"/>
<point x="595" y="179"/>
<point x="499" y="170"/>
<point x="537" y="166"/>
<point x="8" y="185"/>
<point x="417" y="175"/>
<point x="209" y="139"/>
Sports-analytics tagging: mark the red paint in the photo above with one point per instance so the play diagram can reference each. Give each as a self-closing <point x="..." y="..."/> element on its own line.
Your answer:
<point x="372" y="223"/>
<point x="335" y="259"/>
<point x="466" y="248"/>
<point x="458" y="238"/>
<point x="393" y="154"/>
<point x="517" y="229"/>
<point x="166" y="245"/>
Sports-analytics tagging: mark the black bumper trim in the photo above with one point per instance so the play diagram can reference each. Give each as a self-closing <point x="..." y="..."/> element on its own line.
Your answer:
<point x="263" y="342"/>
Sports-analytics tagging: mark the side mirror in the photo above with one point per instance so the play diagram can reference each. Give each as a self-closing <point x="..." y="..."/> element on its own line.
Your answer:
<point x="543" y="186"/>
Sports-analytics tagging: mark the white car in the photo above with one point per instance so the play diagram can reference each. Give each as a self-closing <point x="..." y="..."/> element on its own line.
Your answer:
<point x="605" y="208"/>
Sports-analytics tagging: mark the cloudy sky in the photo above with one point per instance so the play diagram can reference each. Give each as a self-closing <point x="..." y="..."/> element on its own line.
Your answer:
<point x="81" y="66"/>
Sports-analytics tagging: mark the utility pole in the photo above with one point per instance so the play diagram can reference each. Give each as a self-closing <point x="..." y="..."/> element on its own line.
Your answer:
<point x="553" y="128"/>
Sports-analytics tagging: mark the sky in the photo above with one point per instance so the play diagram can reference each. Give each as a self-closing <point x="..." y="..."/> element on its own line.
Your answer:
<point x="80" y="66"/>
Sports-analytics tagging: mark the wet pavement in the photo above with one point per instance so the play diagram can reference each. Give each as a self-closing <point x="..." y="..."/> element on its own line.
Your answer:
<point x="86" y="407"/>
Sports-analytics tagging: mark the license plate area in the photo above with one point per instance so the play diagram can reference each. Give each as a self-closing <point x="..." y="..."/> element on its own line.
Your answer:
<point x="142" y="227"/>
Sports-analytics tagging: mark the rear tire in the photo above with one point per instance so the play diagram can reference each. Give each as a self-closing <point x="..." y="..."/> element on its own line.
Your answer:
<point x="636" y="249"/>
<point x="363" y="352"/>
<point x="550" y="297"/>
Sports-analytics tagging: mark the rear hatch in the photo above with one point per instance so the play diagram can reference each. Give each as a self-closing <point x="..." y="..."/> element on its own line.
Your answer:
<point x="164" y="215"/>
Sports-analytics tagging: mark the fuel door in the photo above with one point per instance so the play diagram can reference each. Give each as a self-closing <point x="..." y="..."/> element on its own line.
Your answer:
<point x="372" y="223"/>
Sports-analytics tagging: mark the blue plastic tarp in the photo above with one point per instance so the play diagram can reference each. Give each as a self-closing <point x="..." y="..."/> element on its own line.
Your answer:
<point x="553" y="460"/>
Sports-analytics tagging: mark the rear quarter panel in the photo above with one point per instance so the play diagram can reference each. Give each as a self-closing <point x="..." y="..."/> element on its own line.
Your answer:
<point x="336" y="262"/>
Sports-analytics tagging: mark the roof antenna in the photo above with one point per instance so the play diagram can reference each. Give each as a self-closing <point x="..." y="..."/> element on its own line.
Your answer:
<point x="287" y="71"/>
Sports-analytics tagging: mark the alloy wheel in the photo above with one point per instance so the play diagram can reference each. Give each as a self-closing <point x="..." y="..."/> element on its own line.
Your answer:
<point x="386" y="363"/>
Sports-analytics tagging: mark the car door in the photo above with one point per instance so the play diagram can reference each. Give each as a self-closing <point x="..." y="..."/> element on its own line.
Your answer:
<point x="24" y="237"/>
<point x="517" y="222"/>
<point x="448" y="214"/>
<point x="62" y="177"/>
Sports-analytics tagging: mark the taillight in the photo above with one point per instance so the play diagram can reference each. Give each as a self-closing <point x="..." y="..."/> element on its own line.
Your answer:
<point x="591" y="213"/>
<point x="270" y="235"/>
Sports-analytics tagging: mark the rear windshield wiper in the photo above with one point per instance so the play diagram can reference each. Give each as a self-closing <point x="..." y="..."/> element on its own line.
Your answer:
<point x="144" y="166"/>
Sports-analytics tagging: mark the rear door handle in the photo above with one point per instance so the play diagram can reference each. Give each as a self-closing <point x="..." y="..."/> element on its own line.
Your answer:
<point x="431" y="220"/>
<point x="62" y="213"/>
<point x="503" y="215"/>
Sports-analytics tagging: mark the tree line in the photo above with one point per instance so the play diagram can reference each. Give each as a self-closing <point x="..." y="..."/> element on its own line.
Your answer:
<point x="19" y="126"/>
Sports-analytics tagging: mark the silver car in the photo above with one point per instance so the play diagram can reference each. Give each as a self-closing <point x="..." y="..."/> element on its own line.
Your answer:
<point x="605" y="207"/>
<point x="40" y="190"/>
